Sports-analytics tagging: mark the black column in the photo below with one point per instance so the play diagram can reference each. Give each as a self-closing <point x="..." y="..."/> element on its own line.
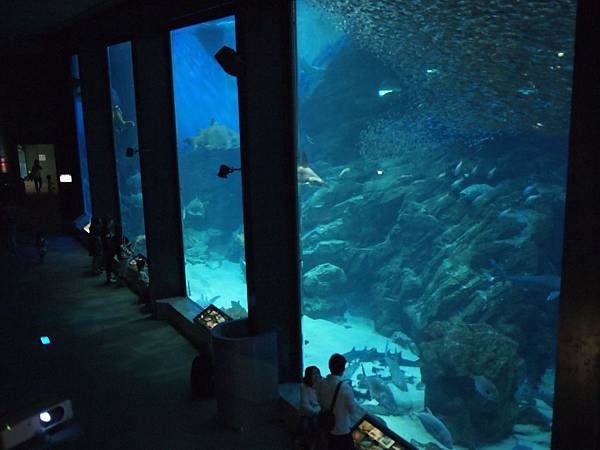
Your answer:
<point x="158" y="165"/>
<point x="266" y="43"/>
<point x="97" y="112"/>
<point x="577" y="401"/>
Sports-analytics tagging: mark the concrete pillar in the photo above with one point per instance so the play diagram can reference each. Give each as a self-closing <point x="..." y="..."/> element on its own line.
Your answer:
<point x="577" y="391"/>
<point x="158" y="165"/>
<point x="266" y="43"/>
<point x="97" y="112"/>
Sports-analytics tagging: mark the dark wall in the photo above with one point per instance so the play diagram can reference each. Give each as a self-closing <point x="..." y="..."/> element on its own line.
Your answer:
<point x="36" y="109"/>
<point x="577" y="402"/>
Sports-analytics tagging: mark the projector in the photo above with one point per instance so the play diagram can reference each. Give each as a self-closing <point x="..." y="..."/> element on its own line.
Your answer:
<point x="34" y="421"/>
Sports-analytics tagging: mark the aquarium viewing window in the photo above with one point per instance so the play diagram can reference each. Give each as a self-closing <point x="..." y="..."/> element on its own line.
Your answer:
<point x="80" y="131"/>
<point x="207" y="124"/>
<point x="122" y="95"/>
<point x="432" y="165"/>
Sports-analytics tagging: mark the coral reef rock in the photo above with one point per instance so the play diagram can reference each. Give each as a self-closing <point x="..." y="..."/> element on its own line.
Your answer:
<point x="456" y="355"/>
<point x="323" y="280"/>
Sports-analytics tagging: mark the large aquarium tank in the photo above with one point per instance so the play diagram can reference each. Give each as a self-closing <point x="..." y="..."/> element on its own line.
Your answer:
<point x="80" y="131"/>
<point x="122" y="96"/>
<point x="207" y="126"/>
<point x="433" y="140"/>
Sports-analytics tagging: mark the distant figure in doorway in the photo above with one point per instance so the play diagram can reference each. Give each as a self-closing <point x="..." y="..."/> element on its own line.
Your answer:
<point x="309" y="408"/>
<point x="95" y="244"/>
<point x="36" y="175"/>
<point x="50" y="184"/>
<point x="344" y="406"/>
<point x="41" y="245"/>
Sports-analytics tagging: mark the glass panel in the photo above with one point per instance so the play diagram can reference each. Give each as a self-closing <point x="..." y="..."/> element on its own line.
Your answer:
<point x="22" y="162"/>
<point x="122" y="95"/>
<point x="432" y="204"/>
<point x="206" y="111"/>
<point x="80" y="130"/>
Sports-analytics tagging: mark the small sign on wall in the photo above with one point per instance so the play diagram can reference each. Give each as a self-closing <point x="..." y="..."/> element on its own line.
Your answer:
<point x="65" y="178"/>
<point x="42" y="157"/>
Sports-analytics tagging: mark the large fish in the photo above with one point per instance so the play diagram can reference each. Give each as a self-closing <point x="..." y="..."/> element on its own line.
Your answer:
<point x="436" y="428"/>
<point x="543" y="283"/>
<point x="306" y="175"/>
<point x="485" y="388"/>
<point x="380" y="391"/>
<point x="397" y="374"/>
<point x="371" y="355"/>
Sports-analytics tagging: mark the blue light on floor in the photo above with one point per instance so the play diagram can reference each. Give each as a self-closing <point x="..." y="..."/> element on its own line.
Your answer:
<point x="45" y="340"/>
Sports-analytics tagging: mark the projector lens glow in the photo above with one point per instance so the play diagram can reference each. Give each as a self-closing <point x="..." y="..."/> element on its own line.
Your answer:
<point x="45" y="340"/>
<point x="45" y="417"/>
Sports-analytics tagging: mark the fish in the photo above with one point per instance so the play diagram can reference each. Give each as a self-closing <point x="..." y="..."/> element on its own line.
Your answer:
<point x="436" y="428"/>
<point x="371" y="355"/>
<point x="532" y="198"/>
<point x="485" y="388"/>
<point x="492" y="173"/>
<point x="524" y="391"/>
<point x="520" y="447"/>
<point x="544" y="283"/>
<point x="458" y="168"/>
<point x="455" y="186"/>
<point x="119" y="121"/>
<point x="344" y="171"/>
<point x="380" y="391"/>
<point x="398" y="375"/>
<point x="474" y="170"/>
<point x="529" y="190"/>
<point x="308" y="176"/>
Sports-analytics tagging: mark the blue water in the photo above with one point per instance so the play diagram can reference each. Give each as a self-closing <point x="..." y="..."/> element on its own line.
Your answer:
<point x="207" y="125"/>
<point x="436" y="242"/>
<point x="125" y="135"/>
<point x="81" y="143"/>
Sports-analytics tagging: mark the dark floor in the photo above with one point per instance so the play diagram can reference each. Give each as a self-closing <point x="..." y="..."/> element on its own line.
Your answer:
<point x="126" y="373"/>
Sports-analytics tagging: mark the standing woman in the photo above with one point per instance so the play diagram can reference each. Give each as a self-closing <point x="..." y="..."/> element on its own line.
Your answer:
<point x="36" y="175"/>
<point x="309" y="408"/>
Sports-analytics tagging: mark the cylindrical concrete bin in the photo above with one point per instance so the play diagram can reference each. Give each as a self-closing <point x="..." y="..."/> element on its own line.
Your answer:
<point x="246" y="375"/>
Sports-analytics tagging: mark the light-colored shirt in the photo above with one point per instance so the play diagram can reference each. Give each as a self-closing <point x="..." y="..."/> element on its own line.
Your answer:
<point x="344" y="405"/>
<point x="309" y="404"/>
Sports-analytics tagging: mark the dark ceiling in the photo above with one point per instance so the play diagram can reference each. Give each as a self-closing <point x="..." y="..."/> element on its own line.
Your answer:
<point x="25" y="23"/>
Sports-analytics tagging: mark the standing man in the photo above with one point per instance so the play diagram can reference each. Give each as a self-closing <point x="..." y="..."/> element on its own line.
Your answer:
<point x="36" y="175"/>
<point x="339" y="438"/>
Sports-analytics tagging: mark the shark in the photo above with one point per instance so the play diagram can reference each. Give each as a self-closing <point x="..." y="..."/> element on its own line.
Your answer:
<point x="306" y="175"/>
<point x="398" y="375"/>
<point x="371" y="355"/>
<point x="544" y="283"/>
<point x="380" y="391"/>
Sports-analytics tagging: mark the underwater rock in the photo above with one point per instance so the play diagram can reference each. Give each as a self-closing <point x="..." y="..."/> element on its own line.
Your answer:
<point x="323" y="232"/>
<point x="323" y="307"/>
<point x="215" y="137"/>
<point x="335" y="251"/>
<point x="323" y="280"/>
<point x="236" y="310"/>
<point x="451" y="355"/>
